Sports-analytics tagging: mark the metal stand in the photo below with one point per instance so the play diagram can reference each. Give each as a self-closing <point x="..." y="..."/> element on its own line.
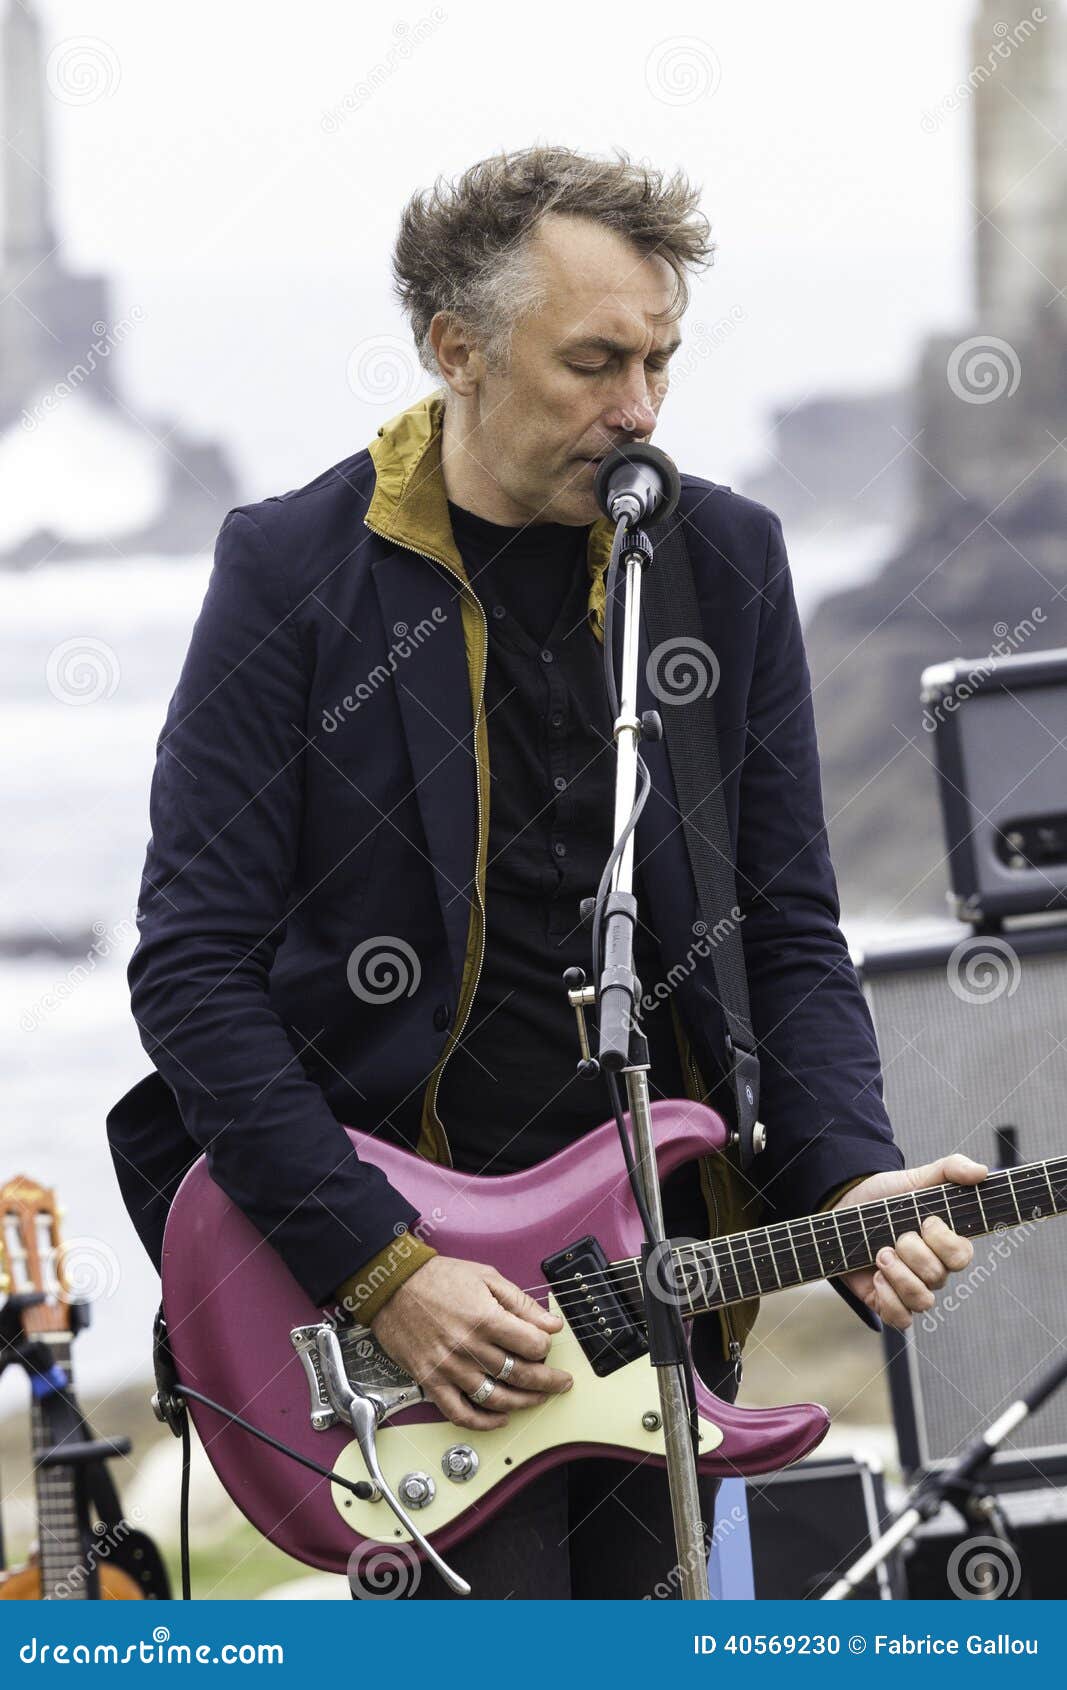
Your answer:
<point x="622" y="1048"/>
<point x="959" y="1485"/>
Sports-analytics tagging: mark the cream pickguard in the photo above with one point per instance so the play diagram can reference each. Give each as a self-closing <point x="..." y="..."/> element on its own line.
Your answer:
<point x="595" y="1410"/>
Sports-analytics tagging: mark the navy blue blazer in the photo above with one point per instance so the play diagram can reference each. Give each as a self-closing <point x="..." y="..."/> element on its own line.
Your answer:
<point x="285" y="830"/>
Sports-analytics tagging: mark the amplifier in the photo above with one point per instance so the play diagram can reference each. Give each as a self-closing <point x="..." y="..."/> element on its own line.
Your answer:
<point x="973" y="1037"/>
<point x="999" y="731"/>
<point x="945" y="1560"/>
<point x="809" y="1523"/>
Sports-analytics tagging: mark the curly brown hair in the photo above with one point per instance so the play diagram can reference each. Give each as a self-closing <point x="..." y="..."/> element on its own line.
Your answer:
<point x="463" y="245"/>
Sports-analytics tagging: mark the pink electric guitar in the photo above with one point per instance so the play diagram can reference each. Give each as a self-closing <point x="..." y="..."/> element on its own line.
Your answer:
<point x="244" y="1333"/>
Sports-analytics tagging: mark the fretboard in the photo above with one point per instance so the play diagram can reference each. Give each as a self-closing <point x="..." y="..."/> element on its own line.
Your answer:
<point x="716" y="1272"/>
<point x="60" y="1547"/>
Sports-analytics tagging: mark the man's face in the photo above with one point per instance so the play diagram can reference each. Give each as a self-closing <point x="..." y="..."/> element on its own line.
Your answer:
<point x="588" y="371"/>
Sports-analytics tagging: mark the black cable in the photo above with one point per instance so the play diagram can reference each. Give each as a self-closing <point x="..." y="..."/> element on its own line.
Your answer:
<point x="598" y="962"/>
<point x="183" y="1512"/>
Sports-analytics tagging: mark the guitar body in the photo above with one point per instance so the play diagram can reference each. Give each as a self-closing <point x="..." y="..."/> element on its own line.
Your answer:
<point x="231" y="1304"/>
<point x="23" y="1584"/>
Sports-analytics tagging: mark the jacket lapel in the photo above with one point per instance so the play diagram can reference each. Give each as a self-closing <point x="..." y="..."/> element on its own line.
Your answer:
<point x="433" y="690"/>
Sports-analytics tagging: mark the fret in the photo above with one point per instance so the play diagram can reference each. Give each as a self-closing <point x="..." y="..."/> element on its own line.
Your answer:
<point x="858" y="1210"/>
<point x="1014" y="1196"/>
<point x="709" y="1275"/>
<point x="814" y="1247"/>
<point x="796" y="1258"/>
<point x="738" y="1296"/>
<point x="774" y="1264"/>
<point x="751" y="1256"/>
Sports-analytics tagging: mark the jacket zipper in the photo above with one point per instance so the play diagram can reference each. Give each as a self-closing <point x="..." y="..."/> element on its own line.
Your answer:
<point x="466" y="999"/>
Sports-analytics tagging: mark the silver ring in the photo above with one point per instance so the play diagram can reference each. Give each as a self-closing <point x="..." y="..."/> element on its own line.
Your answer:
<point x="484" y="1391"/>
<point x="507" y="1370"/>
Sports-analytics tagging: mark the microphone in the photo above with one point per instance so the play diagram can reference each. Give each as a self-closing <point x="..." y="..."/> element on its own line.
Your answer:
<point x="637" y="481"/>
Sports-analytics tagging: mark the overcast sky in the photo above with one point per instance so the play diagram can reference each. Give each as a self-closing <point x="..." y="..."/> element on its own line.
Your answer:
<point x="230" y="169"/>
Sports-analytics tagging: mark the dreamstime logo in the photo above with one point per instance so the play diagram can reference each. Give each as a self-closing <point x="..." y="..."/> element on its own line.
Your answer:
<point x="408" y="37"/>
<point x="1007" y="38"/>
<point x="105" y="1539"/>
<point x="106" y="337"/>
<point x="382" y="969"/>
<point x="82" y="670"/>
<point x="984" y="1569"/>
<point x="724" y="1528"/>
<point x="383" y="370"/>
<point x="82" y="70"/>
<point x="682" y="1273"/>
<point x="102" y="946"/>
<point x="681" y="669"/>
<point x="936" y="702"/>
<point x="406" y="640"/>
<point x="681" y="70"/>
<point x="90" y="1269"/>
<point x="960" y="1290"/>
<point x="703" y="945"/>
<point x="982" y="968"/>
<point x="982" y="369"/>
<point x="382" y="1572"/>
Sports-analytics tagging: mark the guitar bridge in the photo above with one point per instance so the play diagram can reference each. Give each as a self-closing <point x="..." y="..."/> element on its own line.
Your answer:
<point x="369" y="1370"/>
<point x="595" y="1312"/>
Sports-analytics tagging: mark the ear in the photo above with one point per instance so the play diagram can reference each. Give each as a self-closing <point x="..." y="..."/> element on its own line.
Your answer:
<point x="459" y="360"/>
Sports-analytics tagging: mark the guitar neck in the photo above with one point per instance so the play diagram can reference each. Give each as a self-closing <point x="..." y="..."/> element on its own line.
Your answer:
<point x="719" y="1271"/>
<point x="60" y="1547"/>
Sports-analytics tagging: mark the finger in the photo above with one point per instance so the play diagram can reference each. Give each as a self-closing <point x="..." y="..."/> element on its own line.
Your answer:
<point x="509" y="1332"/>
<point x="462" y="1412"/>
<point x="907" y="1285"/>
<point x="957" y="1168"/>
<point x="954" y="1251"/>
<point x="467" y="1376"/>
<point x="889" y="1305"/>
<point x="525" y="1375"/>
<point x="519" y="1302"/>
<point x="922" y="1259"/>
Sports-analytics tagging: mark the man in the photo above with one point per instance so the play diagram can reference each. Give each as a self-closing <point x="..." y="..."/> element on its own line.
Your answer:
<point x="384" y="786"/>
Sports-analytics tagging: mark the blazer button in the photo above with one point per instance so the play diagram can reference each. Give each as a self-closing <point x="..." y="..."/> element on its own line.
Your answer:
<point x="442" y="1015"/>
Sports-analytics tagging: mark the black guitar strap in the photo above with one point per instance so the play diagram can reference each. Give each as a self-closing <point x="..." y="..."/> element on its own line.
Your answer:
<point x="672" y="616"/>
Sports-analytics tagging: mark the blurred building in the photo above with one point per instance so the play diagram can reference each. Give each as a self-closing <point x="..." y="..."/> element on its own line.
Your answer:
<point x="980" y="566"/>
<point x="845" y="457"/>
<point x="83" y="472"/>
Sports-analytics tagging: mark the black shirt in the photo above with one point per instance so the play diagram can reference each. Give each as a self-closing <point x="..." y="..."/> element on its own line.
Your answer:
<point x="509" y="1094"/>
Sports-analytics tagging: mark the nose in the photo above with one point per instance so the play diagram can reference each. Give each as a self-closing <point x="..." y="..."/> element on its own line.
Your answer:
<point x="631" y="412"/>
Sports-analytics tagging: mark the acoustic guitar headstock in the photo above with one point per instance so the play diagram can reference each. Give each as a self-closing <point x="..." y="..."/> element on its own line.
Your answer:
<point x="31" y="1255"/>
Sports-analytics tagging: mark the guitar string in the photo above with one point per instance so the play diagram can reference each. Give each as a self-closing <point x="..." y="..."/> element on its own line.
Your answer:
<point x="625" y="1275"/>
<point x="777" y="1232"/>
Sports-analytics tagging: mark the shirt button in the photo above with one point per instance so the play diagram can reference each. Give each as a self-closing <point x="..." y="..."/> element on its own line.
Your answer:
<point x="559" y="848"/>
<point x="556" y="718"/>
<point x="499" y="611"/>
<point x="560" y="783"/>
<point x="442" y="1015"/>
<point x="546" y="656"/>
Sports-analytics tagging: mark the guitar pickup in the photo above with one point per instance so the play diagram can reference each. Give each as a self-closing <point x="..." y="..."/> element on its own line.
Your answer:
<point x="596" y="1313"/>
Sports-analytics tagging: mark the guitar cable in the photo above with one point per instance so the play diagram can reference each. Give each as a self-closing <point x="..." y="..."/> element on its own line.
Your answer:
<point x="169" y="1406"/>
<point x="672" y="1311"/>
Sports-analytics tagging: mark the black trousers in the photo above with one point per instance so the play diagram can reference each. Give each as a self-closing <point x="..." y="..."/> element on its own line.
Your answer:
<point x="596" y="1529"/>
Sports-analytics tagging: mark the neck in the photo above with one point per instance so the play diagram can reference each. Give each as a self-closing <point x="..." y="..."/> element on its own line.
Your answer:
<point x="59" y="1535"/>
<point x="719" y="1271"/>
<point x="464" y="457"/>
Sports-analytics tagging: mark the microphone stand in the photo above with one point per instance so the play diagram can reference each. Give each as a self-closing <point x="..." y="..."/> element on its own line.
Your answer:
<point x="623" y="1048"/>
<point x="961" y="1485"/>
